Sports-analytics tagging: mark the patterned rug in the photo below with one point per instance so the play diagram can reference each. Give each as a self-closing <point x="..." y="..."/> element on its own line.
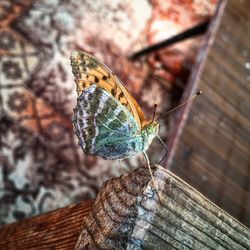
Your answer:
<point x="41" y="165"/>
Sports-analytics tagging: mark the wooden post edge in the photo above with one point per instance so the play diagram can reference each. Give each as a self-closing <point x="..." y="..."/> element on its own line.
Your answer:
<point x="128" y="214"/>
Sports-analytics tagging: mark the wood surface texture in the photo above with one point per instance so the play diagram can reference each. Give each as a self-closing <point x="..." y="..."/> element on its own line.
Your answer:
<point x="127" y="214"/>
<point x="58" y="229"/>
<point x="211" y="144"/>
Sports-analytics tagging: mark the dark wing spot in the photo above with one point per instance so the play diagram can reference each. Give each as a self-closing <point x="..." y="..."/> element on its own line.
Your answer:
<point x="96" y="79"/>
<point x="104" y="78"/>
<point x="121" y="95"/>
<point x="133" y="145"/>
<point x="112" y="105"/>
<point x="87" y="76"/>
<point x="122" y="117"/>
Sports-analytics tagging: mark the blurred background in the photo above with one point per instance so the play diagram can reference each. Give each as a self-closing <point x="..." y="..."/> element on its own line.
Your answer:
<point x="41" y="165"/>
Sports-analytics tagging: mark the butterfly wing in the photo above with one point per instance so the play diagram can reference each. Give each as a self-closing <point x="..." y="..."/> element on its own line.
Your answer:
<point x="88" y="70"/>
<point x="103" y="126"/>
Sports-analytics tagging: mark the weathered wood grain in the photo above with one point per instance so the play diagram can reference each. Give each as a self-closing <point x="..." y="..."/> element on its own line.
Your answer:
<point x="128" y="215"/>
<point x="210" y="142"/>
<point x="54" y="230"/>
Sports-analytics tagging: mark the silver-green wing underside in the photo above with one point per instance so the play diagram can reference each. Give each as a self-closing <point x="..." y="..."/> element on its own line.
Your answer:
<point x="104" y="127"/>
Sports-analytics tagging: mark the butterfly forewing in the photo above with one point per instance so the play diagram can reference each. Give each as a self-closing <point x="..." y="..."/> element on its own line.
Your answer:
<point x="88" y="70"/>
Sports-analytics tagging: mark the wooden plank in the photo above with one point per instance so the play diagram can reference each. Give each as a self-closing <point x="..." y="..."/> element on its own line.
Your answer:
<point x="58" y="229"/>
<point x="127" y="214"/>
<point x="210" y="147"/>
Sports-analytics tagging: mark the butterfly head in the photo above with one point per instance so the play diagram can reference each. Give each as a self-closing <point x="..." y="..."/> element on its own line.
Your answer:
<point x="151" y="130"/>
<point x="152" y="127"/>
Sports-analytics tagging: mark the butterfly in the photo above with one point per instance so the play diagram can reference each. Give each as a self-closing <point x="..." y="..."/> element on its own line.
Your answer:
<point x="107" y="119"/>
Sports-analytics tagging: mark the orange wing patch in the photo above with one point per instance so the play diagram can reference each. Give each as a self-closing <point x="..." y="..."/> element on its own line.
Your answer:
<point x="88" y="70"/>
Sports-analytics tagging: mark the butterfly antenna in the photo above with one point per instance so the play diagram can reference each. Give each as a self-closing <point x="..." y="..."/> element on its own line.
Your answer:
<point x="155" y="106"/>
<point x="184" y="103"/>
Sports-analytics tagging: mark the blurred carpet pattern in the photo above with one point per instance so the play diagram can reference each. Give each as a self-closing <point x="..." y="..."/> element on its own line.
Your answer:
<point x="41" y="165"/>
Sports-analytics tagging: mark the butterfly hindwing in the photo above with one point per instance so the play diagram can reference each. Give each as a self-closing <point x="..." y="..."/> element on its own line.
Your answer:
<point x="88" y="70"/>
<point x="103" y="126"/>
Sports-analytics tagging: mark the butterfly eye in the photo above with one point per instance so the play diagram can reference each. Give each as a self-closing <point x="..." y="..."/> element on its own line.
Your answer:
<point x="149" y="129"/>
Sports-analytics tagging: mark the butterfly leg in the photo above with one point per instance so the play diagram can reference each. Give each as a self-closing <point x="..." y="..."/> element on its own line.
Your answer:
<point x="153" y="179"/>
<point x="165" y="146"/>
<point x="150" y="170"/>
